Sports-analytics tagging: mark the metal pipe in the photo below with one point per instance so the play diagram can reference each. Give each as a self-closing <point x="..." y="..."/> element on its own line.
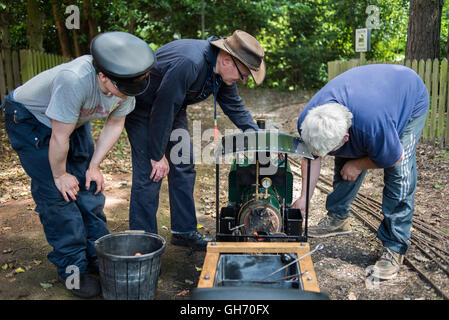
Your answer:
<point x="217" y="198"/>
<point x="307" y="198"/>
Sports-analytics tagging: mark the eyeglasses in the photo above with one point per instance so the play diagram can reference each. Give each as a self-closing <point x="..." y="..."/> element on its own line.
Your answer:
<point x="242" y="77"/>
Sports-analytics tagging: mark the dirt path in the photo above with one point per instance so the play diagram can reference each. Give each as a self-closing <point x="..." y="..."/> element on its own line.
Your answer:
<point x="27" y="274"/>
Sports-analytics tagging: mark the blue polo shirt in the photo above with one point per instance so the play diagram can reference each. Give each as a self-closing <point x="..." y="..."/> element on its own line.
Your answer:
<point x="382" y="99"/>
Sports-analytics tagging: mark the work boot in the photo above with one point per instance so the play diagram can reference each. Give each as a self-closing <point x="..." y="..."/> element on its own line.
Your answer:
<point x="192" y="239"/>
<point x="330" y="226"/>
<point x="89" y="287"/>
<point x="388" y="265"/>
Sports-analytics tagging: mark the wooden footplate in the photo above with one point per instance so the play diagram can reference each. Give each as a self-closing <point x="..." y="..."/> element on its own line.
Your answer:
<point x="214" y="249"/>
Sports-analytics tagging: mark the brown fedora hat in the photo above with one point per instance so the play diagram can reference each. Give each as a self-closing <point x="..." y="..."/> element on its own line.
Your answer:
<point x="247" y="49"/>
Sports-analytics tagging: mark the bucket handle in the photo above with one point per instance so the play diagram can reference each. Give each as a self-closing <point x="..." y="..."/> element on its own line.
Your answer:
<point x="135" y="231"/>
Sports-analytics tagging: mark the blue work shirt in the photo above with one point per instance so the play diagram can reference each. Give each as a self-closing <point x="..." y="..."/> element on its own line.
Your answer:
<point x="382" y="99"/>
<point x="184" y="74"/>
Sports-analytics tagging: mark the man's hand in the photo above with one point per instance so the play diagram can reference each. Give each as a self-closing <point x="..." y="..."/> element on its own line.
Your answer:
<point x="300" y="204"/>
<point x="350" y="170"/>
<point x="94" y="174"/>
<point x="67" y="184"/>
<point x="160" y="169"/>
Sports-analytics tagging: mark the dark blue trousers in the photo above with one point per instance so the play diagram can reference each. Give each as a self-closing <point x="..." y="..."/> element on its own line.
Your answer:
<point x="71" y="228"/>
<point x="144" y="201"/>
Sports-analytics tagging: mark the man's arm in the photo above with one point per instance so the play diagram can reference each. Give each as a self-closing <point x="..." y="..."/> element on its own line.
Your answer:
<point x="352" y="168"/>
<point x="167" y="103"/>
<point x="108" y="137"/>
<point x="232" y="105"/>
<point x="59" y="145"/>
<point x="315" y="168"/>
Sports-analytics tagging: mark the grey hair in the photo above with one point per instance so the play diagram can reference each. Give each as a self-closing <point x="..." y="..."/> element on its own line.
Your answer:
<point x="324" y="128"/>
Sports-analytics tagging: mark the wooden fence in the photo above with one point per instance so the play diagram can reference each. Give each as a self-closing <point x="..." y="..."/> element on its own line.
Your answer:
<point x="435" y="76"/>
<point x="16" y="67"/>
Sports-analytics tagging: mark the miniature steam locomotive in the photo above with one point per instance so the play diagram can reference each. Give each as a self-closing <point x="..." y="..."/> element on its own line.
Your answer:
<point x="260" y="188"/>
<point x="261" y="249"/>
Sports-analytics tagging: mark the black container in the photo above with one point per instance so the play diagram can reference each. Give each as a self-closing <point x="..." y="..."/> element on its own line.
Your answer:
<point x="123" y="275"/>
<point x="236" y="270"/>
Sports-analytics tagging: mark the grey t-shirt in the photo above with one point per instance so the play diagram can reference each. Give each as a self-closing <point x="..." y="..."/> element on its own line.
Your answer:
<point x="69" y="93"/>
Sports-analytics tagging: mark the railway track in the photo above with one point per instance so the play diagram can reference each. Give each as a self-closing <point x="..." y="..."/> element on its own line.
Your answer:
<point x="427" y="255"/>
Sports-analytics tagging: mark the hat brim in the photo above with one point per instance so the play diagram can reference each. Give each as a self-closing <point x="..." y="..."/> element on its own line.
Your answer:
<point x="258" y="75"/>
<point x="130" y="88"/>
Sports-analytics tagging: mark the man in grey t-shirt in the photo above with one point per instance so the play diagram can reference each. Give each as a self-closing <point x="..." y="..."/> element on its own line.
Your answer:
<point x="48" y="123"/>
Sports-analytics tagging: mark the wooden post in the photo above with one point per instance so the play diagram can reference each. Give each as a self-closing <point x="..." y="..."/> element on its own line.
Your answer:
<point x="415" y="65"/>
<point x="8" y="68"/>
<point x="434" y="100"/>
<point x="442" y="101"/>
<point x="421" y="73"/>
<point x="16" y="69"/>
<point x="330" y="70"/>
<point x="428" y="82"/>
<point x="408" y="63"/>
<point x="446" y="134"/>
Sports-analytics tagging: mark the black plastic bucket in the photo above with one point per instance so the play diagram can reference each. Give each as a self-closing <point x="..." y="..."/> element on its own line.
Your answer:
<point x="123" y="275"/>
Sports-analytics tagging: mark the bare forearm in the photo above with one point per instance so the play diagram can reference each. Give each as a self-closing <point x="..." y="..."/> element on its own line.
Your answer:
<point x="364" y="163"/>
<point x="57" y="154"/>
<point x="108" y="137"/>
<point x="315" y="167"/>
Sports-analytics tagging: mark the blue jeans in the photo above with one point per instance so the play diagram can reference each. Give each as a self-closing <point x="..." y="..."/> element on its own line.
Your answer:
<point x="71" y="228"/>
<point x="398" y="192"/>
<point x="144" y="201"/>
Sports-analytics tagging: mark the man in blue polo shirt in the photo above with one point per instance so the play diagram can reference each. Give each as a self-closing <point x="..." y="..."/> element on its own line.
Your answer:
<point x="187" y="71"/>
<point x="369" y="117"/>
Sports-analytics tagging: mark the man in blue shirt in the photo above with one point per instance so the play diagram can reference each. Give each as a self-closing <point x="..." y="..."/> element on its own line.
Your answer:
<point x="369" y="117"/>
<point x="186" y="72"/>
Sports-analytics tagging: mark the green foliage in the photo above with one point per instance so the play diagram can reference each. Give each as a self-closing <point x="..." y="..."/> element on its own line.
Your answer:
<point x="299" y="37"/>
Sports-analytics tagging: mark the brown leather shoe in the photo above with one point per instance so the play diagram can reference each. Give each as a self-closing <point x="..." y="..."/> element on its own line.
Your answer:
<point x="330" y="226"/>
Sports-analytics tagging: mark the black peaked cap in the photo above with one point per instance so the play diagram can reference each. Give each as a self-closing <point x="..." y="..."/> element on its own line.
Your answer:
<point x="121" y="55"/>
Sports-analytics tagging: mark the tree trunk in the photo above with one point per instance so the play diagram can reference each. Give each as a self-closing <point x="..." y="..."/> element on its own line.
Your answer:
<point x="87" y="12"/>
<point x="34" y="26"/>
<point x="424" y="25"/>
<point x="62" y="31"/>
<point x="4" y="29"/>
<point x="76" y="44"/>
<point x="131" y="24"/>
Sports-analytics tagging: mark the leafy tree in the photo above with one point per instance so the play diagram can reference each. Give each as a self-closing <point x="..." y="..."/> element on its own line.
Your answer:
<point x="299" y="37"/>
